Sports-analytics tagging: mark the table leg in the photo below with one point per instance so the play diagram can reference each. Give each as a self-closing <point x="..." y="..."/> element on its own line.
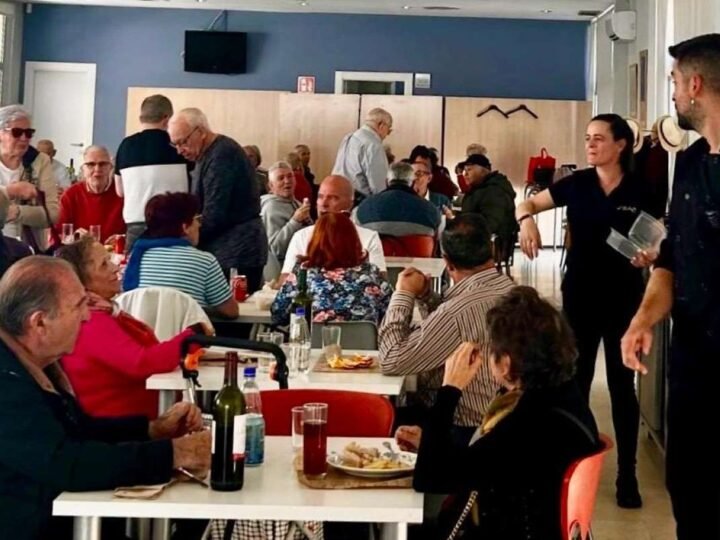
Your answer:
<point x="437" y="285"/>
<point x="393" y="531"/>
<point x="161" y="529"/>
<point x="87" y="528"/>
<point x="166" y="400"/>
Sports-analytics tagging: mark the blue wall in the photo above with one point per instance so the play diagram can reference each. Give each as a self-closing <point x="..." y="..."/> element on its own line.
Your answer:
<point x="466" y="57"/>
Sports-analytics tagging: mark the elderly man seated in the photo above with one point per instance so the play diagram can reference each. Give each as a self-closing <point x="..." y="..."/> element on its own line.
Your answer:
<point x="448" y="321"/>
<point x="335" y="195"/>
<point x="281" y="213"/>
<point x="48" y="444"/>
<point x="399" y="211"/>
<point x="94" y="201"/>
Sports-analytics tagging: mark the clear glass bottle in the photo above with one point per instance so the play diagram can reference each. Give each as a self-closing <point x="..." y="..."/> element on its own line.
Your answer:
<point x="299" y="344"/>
<point x="255" y="437"/>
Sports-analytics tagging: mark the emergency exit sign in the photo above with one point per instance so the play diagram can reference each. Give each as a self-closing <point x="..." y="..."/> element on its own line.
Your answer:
<point x="306" y="85"/>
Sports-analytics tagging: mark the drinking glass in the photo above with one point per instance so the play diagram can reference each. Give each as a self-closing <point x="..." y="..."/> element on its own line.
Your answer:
<point x="291" y="359"/>
<point x="331" y="341"/>
<point x="68" y="233"/>
<point x="276" y="338"/>
<point x="297" y="428"/>
<point x="315" y="417"/>
<point x="95" y="232"/>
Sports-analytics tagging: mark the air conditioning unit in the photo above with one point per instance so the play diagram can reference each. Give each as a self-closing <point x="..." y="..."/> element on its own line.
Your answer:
<point x="620" y="26"/>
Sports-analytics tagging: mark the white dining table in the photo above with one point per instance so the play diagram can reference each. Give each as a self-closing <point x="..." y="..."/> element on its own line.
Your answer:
<point x="271" y="491"/>
<point x="211" y="379"/>
<point x="434" y="267"/>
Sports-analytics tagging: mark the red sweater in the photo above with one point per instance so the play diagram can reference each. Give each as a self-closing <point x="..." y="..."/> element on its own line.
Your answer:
<point x="110" y="363"/>
<point x="83" y="208"/>
<point x="303" y="190"/>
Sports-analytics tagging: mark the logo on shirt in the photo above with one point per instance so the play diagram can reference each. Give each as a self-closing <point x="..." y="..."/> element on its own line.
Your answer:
<point x="632" y="209"/>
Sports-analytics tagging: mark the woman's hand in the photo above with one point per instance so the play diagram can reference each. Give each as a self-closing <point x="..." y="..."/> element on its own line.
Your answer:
<point x="643" y="259"/>
<point x="180" y="419"/>
<point x="408" y="438"/>
<point x="463" y="365"/>
<point x="530" y="241"/>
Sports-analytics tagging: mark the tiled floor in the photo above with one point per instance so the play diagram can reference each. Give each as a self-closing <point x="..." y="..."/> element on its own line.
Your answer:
<point x="654" y="520"/>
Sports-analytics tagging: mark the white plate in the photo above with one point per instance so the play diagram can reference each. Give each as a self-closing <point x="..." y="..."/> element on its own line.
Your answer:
<point x="406" y="458"/>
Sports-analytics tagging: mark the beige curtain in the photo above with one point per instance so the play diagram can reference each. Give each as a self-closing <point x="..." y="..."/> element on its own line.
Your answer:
<point x="695" y="17"/>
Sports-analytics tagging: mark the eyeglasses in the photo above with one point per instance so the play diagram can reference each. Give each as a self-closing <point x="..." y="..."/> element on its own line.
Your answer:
<point x="99" y="164"/>
<point x="183" y="142"/>
<point x="19" y="132"/>
<point x="418" y="174"/>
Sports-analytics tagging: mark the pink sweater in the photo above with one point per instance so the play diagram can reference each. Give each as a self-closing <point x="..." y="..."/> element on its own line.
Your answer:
<point x="109" y="366"/>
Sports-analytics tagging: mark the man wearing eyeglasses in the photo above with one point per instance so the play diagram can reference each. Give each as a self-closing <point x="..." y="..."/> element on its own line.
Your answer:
<point x="361" y="156"/>
<point x="26" y="178"/>
<point x="146" y="164"/>
<point x="94" y="201"/>
<point x="224" y="181"/>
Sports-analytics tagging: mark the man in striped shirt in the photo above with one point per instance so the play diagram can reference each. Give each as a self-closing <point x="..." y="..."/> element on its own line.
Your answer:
<point x="457" y="317"/>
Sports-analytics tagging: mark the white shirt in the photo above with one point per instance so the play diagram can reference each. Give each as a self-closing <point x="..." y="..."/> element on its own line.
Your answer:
<point x="7" y="177"/>
<point x="361" y="159"/>
<point x="60" y="172"/>
<point x="370" y="241"/>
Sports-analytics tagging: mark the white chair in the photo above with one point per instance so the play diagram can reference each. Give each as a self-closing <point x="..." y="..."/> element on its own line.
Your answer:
<point x="168" y="311"/>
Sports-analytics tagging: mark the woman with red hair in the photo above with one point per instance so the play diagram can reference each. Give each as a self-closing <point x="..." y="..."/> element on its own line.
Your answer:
<point x="344" y="286"/>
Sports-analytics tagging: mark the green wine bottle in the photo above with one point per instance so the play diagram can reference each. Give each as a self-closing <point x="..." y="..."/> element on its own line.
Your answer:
<point x="303" y="299"/>
<point x="227" y="471"/>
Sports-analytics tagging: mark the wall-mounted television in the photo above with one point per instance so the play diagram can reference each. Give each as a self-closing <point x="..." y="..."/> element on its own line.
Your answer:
<point x="215" y="52"/>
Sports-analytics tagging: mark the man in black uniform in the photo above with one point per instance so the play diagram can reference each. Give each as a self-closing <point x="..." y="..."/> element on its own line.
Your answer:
<point x="686" y="279"/>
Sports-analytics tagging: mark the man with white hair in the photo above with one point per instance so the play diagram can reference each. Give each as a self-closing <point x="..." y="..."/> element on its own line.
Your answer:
<point x="60" y="170"/>
<point x="399" y="211"/>
<point x="146" y="165"/>
<point x="281" y="213"/>
<point x="49" y="444"/>
<point x="361" y="156"/>
<point x="224" y="181"/>
<point x="94" y="201"/>
<point x="335" y="195"/>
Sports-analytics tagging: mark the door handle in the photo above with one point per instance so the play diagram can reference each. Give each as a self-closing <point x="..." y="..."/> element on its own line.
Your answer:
<point x="77" y="144"/>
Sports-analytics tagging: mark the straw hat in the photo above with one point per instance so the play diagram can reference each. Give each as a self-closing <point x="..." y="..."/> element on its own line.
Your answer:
<point x="637" y="134"/>
<point x="672" y="137"/>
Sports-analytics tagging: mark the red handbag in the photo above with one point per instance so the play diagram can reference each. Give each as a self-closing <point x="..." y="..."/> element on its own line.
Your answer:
<point x="540" y="166"/>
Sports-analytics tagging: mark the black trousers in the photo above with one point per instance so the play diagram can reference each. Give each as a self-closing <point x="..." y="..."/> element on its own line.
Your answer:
<point x="607" y="320"/>
<point x="692" y="459"/>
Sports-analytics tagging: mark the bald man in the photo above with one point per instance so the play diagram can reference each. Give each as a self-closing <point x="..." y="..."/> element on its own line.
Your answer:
<point x="59" y="170"/>
<point x="335" y="195"/>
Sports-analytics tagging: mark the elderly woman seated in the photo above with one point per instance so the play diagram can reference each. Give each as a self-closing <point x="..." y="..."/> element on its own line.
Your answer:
<point x="114" y="353"/>
<point x="529" y="436"/>
<point x="165" y="256"/>
<point x="49" y="444"/>
<point x="344" y="286"/>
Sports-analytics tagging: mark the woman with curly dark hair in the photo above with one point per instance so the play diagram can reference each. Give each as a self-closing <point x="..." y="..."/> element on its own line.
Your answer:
<point x="530" y="434"/>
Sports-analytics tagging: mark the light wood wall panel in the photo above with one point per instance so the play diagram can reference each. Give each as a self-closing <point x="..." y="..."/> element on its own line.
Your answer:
<point x="416" y="120"/>
<point x="511" y="141"/>
<point x="320" y="121"/>
<point x="249" y="117"/>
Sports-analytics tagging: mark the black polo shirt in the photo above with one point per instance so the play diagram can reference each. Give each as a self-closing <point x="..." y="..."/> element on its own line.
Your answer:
<point x="594" y="269"/>
<point x="692" y="253"/>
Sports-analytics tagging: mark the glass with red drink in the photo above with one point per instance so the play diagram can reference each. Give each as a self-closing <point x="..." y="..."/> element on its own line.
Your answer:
<point x="315" y="439"/>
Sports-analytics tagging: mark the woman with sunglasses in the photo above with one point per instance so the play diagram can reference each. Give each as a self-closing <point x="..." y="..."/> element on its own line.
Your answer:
<point x="26" y="178"/>
<point x="165" y="255"/>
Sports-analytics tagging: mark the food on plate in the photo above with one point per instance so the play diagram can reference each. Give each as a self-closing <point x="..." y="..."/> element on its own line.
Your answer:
<point x="361" y="457"/>
<point x="356" y="361"/>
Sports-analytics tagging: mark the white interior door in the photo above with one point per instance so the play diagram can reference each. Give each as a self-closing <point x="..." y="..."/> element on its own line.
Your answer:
<point x="61" y="98"/>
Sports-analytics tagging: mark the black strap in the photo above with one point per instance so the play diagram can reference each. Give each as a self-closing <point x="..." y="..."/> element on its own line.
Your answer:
<point x="575" y="420"/>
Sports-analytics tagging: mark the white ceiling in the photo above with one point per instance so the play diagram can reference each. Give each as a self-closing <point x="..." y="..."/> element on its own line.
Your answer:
<point x="519" y="9"/>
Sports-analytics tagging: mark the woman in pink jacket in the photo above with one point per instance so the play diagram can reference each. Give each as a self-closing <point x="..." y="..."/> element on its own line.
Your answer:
<point x="115" y="353"/>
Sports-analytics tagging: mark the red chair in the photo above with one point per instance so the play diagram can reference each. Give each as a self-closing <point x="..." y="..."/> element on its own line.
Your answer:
<point x="578" y="491"/>
<point x="414" y="245"/>
<point x="350" y="414"/>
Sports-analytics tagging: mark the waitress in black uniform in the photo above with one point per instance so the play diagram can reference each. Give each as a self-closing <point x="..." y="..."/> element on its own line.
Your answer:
<point x="601" y="289"/>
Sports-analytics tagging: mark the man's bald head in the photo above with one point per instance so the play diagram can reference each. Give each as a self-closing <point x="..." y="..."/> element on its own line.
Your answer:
<point x="335" y="195"/>
<point x="46" y="147"/>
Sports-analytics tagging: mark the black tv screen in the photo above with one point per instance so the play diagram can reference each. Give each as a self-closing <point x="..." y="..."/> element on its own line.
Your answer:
<point x="215" y="52"/>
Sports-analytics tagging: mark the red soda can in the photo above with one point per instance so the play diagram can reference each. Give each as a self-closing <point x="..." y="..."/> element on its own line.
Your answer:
<point x="238" y="284"/>
<point x="120" y="244"/>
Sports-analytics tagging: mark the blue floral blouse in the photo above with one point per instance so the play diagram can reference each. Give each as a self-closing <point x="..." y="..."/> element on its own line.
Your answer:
<point x="342" y="294"/>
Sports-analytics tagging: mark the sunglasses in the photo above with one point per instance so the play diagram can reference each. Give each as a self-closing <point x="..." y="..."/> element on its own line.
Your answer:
<point x="19" y="132"/>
